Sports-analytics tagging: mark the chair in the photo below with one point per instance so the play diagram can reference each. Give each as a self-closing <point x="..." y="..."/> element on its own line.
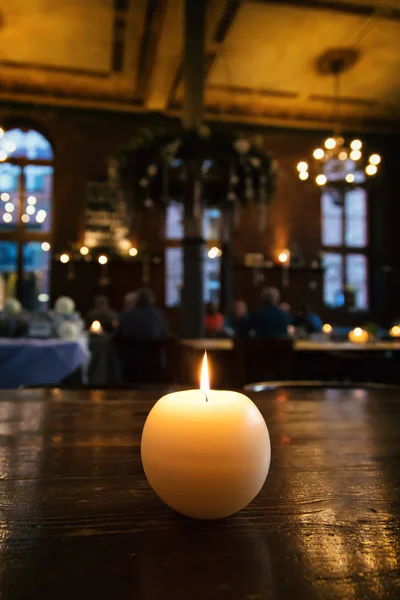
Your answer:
<point x="104" y="366"/>
<point x="148" y="361"/>
<point x="263" y="360"/>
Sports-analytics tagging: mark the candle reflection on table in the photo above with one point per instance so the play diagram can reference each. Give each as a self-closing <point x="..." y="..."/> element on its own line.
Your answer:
<point x="359" y="336"/>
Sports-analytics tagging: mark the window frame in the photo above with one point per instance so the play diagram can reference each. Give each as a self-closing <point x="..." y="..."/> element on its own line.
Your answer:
<point x="20" y="234"/>
<point x="177" y="243"/>
<point x="345" y="250"/>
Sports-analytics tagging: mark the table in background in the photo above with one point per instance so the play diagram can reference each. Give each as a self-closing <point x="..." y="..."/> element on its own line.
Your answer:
<point x="328" y="360"/>
<point x="80" y="521"/>
<point x="373" y="361"/>
<point x="28" y="362"/>
<point x="226" y="344"/>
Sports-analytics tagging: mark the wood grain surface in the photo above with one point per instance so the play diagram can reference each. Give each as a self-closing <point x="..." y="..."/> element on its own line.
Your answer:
<point x="79" y="521"/>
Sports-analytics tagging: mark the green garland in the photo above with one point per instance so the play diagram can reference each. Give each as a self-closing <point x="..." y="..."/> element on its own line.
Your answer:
<point x="154" y="169"/>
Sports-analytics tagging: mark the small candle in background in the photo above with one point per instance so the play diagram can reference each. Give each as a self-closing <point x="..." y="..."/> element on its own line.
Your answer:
<point x="395" y="331"/>
<point x="327" y="329"/>
<point x="206" y="453"/>
<point x="96" y="327"/>
<point x="359" y="336"/>
<point x="284" y="259"/>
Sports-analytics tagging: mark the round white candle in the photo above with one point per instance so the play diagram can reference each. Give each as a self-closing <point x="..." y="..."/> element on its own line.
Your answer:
<point x="206" y="453"/>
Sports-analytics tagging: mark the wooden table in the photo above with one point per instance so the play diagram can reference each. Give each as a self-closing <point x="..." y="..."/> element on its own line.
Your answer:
<point x="224" y="344"/>
<point x="78" y="519"/>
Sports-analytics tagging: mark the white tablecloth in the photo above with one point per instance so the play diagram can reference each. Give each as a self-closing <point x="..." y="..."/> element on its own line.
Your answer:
<point x="40" y="362"/>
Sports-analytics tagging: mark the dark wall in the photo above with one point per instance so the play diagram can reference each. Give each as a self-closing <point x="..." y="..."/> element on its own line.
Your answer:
<point x="84" y="281"/>
<point x="385" y="234"/>
<point x="294" y="215"/>
<point x="83" y="140"/>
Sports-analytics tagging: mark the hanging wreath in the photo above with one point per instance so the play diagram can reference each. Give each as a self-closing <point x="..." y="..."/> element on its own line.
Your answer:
<point x="154" y="169"/>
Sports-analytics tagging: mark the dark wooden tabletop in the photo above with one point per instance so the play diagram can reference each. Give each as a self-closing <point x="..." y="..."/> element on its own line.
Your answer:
<point x="79" y="521"/>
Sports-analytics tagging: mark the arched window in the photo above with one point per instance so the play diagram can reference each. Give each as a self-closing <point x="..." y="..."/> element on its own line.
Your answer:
<point x="26" y="184"/>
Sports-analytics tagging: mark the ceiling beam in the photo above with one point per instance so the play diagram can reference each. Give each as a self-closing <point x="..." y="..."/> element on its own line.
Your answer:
<point x="229" y="114"/>
<point x="135" y="21"/>
<point x="85" y="102"/>
<point x="290" y="121"/>
<point x="219" y="29"/>
<point x="284" y="114"/>
<point x="74" y="71"/>
<point x="168" y="57"/>
<point x="220" y="17"/>
<point x="154" y="20"/>
<point x="385" y="10"/>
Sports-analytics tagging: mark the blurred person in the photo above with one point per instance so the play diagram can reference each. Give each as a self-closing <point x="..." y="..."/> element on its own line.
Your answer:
<point x="103" y="313"/>
<point x="130" y="300"/>
<point x="309" y="320"/>
<point x="13" y="321"/>
<point x="64" y="306"/>
<point x="213" y="321"/>
<point x="140" y="329"/>
<point x="286" y="307"/>
<point x="12" y="308"/>
<point x="236" y="318"/>
<point x="269" y="321"/>
<point x="142" y="321"/>
<point x="65" y="310"/>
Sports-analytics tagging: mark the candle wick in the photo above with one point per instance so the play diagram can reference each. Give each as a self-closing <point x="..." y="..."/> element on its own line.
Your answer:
<point x="205" y="395"/>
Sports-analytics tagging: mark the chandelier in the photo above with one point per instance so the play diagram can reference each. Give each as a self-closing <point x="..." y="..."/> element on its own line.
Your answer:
<point x="339" y="164"/>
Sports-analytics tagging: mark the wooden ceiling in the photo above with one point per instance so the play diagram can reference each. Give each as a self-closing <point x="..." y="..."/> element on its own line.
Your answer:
<point x="126" y="55"/>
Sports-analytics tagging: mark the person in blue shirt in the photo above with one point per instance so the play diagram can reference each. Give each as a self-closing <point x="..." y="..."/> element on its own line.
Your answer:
<point x="309" y="320"/>
<point x="269" y="321"/>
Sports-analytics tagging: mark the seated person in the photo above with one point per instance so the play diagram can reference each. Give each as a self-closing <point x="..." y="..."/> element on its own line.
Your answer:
<point x="143" y="321"/>
<point x="140" y="327"/>
<point x="285" y="306"/>
<point x="129" y="300"/>
<point x="65" y="311"/>
<point x="269" y="321"/>
<point x="103" y="313"/>
<point x="236" y="318"/>
<point x="214" y="320"/>
<point x="13" y="322"/>
<point x="309" y="320"/>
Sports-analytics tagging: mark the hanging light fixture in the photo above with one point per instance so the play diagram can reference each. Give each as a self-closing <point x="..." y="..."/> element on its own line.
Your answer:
<point x="338" y="163"/>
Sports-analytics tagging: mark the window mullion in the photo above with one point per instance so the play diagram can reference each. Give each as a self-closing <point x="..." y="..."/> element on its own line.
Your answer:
<point x="21" y="198"/>
<point x="20" y="229"/>
<point x="344" y="263"/>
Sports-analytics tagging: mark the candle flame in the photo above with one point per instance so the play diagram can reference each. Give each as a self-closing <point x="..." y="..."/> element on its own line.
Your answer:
<point x="204" y="378"/>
